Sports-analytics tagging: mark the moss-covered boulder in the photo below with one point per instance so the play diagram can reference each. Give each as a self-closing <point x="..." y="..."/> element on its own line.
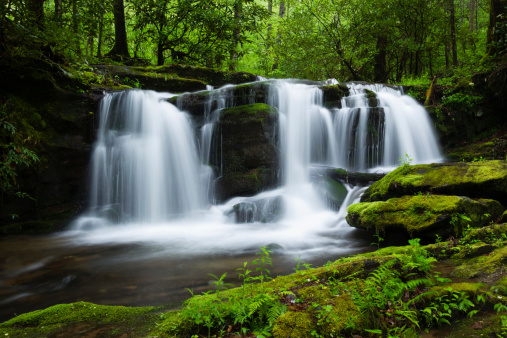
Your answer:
<point x="293" y="324"/>
<point x="82" y="319"/>
<point x="333" y="95"/>
<point x="207" y="101"/>
<point x="209" y="76"/>
<point x="332" y="192"/>
<point x="423" y="216"/>
<point x="246" y="151"/>
<point x="486" y="179"/>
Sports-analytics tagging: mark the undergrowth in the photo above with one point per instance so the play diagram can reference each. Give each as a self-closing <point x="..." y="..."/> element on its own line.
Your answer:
<point x="400" y="298"/>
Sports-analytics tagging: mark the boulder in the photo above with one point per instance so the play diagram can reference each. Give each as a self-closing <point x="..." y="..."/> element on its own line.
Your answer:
<point x="333" y="95"/>
<point x="423" y="215"/>
<point x="487" y="179"/>
<point x="247" y="154"/>
<point x="199" y="102"/>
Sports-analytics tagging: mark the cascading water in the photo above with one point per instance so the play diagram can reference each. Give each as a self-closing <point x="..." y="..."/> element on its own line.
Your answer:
<point x="145" y="165"/>
<point x="149" y="168"/>
<point x="153" y="228"/>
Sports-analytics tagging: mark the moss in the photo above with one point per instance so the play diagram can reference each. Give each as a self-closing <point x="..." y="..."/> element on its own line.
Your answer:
<point x="486" y="179"/>
<point x="61" y="318"/>
<point x="343" y="313"/>
<point x="417" y="215"/>
<point x="294" y="325"/>
<point x="483" y="265"/>
<point x="371" y="97"/>
<point x="333" y="94"/>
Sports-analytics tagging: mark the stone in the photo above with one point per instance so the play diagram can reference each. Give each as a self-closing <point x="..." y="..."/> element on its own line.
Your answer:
<point x="423" y="216"/>
<point x="487" y="179"/>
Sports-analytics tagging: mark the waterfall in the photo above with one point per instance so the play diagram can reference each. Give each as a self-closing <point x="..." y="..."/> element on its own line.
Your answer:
<point x="145" y="165"/>
<point x="151" y="167"/>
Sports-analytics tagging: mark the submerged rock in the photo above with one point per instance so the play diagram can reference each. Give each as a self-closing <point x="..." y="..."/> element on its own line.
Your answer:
<point x="423" y="215"/>
<point x="486" y="179"/>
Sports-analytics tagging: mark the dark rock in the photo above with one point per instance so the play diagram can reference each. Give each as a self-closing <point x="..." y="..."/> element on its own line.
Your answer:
<point x="247" y="152"/>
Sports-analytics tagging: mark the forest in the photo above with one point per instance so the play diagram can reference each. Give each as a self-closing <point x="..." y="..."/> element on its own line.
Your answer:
<point x="391" y="41"/>
<point x="185" y="168"/>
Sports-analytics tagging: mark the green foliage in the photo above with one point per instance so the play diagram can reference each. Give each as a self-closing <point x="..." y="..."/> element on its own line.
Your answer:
<point x="405" y="162"/>
<point x="14" y="156"/>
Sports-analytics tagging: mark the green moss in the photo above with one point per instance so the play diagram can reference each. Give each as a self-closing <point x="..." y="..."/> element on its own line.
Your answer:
<point x="294" y="325"/>
<point x="257" y="111"/>
<point x="478" y="179"/>
<point x="418" y="214"/>
<point x="59" y="317"/>
<point x="482" y="265"/>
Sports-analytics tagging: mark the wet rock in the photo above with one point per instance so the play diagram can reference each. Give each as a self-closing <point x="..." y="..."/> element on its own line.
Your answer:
<point x="423" y="216"/>
<point x="486" y="179"/>
<point x="246" y="150"/>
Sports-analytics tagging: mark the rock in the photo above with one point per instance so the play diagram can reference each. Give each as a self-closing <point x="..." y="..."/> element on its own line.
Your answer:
<point x="197" y="103"/>
<point x="299" y="324"/>
<point x="266" y="210"/>
<point x="352" y="177"/>
<point x="209" y="76"/>
<point x="333" y="95"/>
<point x="247" y="151"/>
<point x="504" y="217"/>
<point x="486" y="179"/>
<point x="423" y="216"/>
<point x="332" y="192"/>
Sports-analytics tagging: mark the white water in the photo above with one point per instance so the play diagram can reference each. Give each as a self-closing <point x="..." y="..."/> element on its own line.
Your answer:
<point x="151" y="179"/>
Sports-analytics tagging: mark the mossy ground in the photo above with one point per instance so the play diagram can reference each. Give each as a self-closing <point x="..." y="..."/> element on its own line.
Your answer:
<point x="318" y="302"/>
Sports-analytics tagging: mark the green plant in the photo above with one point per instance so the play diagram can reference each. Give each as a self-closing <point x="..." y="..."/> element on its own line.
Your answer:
<point x="405" y="162"/>
<point x="377" y="243"/>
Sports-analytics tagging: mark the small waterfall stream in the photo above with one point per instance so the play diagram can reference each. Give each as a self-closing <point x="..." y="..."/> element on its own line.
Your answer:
<point x="151" y="178"/>
<point x="153" y="226"/>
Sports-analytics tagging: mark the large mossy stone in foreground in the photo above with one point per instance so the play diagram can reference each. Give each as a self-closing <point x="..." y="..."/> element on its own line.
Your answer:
<point x="486" y="179"/>
<point x="423" y="216"/>
<point x="246" y="150"/>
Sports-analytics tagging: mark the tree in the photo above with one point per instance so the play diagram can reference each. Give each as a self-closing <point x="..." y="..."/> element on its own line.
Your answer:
<point x="497" y="20"/>
<point x="120" y="47"/>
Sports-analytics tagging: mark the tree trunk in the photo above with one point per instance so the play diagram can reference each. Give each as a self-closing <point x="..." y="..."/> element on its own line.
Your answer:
<point x="238" y="12"/>
<point x="160" y="52"/>
<point x="380" y="68"/>
<point x="453" y="34"/>
<point x="120" y="47"/>
<point x="58" y="11"/>
<point x="35" y="10"/>
<point x="497" y="7"/>
<point x="270" y="10"/>
<point x="281" y="14"/>
<point x="471" y="24"/>
<point x="101" y="29"/>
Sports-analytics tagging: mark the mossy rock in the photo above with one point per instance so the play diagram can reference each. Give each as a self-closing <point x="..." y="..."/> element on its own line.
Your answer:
<point x="332" y="192"/>
<point x="357" y="178"/>
<point x="486" y="179"/>
<point x="199" y="102"/>
<point x="484" y="266"/>
<point x="246" y="150"/>
<point x="333" y="94"/>
<point x="207" y="75"/>
<point x="371" y="97"/>
<point x="81" y="318"/>
<point x="423" y="216"/>
<point x="294" y="325"/>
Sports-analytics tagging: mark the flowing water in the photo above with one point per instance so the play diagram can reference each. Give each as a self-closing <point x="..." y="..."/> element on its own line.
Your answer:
<point x="153" y="227"/>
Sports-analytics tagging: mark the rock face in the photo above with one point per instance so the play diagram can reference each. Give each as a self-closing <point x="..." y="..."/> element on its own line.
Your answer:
<point x="423" y="216"/>
<point x="486" y="179"/>
<point x="55" y="110"/>
<point x="247" y="153"/>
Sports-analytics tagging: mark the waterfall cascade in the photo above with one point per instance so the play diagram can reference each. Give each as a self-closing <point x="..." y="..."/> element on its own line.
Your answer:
<point x="151" y="171"/>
